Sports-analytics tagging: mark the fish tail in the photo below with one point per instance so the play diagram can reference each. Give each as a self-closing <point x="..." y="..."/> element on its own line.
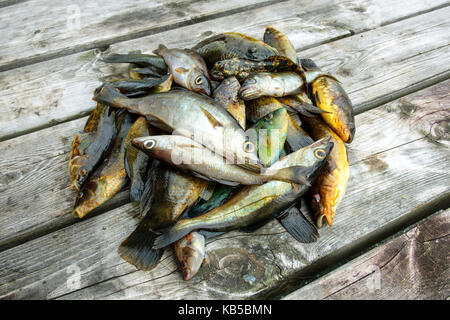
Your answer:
<point x="109" y="95"/>
<point x="298" y="226"/>
<point x="295" y="174"/>
<point x="173" y="234"/>
<point x="160" y="50"/>
<point x="137" y="249"/>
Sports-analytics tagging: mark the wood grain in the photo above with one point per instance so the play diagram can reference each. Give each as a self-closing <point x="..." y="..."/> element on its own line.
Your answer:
<point x="43" y="94"/>
<point x="40" y="30"/>
<point x="396" y="169"/>
<point x="411" y="266"/>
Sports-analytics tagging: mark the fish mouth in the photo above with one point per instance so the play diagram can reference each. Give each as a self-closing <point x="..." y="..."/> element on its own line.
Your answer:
<point x="248" y="93"/>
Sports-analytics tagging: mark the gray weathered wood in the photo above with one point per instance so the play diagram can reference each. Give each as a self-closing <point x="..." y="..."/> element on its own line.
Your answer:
<point x="414" y="265"/>
<point x="38" y="30"/>
<point x="46" y="93"/>
<point x="399" y="163"/>
<point x="46" y="175"/>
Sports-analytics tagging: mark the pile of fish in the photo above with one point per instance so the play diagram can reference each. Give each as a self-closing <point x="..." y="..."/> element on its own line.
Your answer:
<point x="227" y="135"/>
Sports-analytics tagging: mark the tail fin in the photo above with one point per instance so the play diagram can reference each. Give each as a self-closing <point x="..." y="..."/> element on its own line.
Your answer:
<point x="298" y="226"/>
<point x="295" y="174"/>
<point x="107" y="94"/>
<point x="160" y="50"/>
<point x="137" y="249"/>
<point x="172" y="235"/>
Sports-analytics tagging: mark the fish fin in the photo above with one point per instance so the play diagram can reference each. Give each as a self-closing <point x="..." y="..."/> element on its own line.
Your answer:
<point x="298" y="226"/>
<point x="126" y="165"/>
<point x="181" y="70"/>
<point x="210" y="234"/>
<point x="160" y="50"/>
<point x="109" y="95"/>
<point x="228" y="183"/>
<point x="214" y="122"/>
<point x="208" y="191"/>
<point x="169" y="237"/>
<point x="295" y="174"/>
<point x="137" y="249"/>
<point x="251" y="166"/>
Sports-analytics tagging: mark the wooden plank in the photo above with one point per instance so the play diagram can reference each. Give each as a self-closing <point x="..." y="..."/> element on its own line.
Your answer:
<point x="72" y="26"/>
<point x="59" y="90"/>
<point x="413" y="266"/>
<point x="396" y="170"/>
<point x="14" y="199"/>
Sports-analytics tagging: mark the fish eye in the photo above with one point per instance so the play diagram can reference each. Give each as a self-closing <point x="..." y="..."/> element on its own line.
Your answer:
<point x="320" y="153"/>
<point x="316" y="198"/>
<point x="269" y="116"/>
<point x="83" y="172"/>
<point x="199" y="81"/>
<point x="149" y="144"/>
<point x="248" y="146"/>
<point x="252" y="50"/>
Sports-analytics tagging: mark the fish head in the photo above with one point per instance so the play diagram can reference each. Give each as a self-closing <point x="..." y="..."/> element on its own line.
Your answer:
<point x="254" y="86"/>
<point x="155" y="146"/>
<point x="190" y="252"/>
<point x="314" y="156"/>
<point x="199" y="82"/>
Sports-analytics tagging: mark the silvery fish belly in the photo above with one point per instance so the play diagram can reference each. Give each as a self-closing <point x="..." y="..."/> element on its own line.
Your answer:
<point x="271" y="84"/>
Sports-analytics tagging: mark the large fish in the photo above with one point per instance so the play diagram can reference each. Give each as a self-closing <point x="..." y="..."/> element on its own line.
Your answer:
<point x="252" y="204"/>
<point x="233" y="45"/>
<point x="271" y="132"/>
<point x="189" y="155"/>
<point x="329" y="188"/>
<point x="110" y="177"/>
<point x="279" y="41"/>
<point x="328" y="94"/>
<point x="227" y="95"/>
<point x="192" y="115"/>
<point x="187" y="67"/>
<point x="136" y="161"/>
<point x="89" y="148"/>
<point x="172" y="192"/>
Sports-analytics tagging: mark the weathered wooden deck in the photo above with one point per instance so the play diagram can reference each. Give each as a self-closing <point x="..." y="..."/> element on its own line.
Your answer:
<point x="393" y="59"/>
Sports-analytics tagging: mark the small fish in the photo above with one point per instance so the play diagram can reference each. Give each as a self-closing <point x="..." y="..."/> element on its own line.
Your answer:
<point x="202" y="118"/>
<point x="296" y="136"/>
<point x="227" y="95"/>
<point x="328" y="94"/>
<point x="233" y="45"/>
<point x="89" y="148"/>
<point x="110" y="177"/>
<point x="188" y="155"/>
<point x="271" y="132"/>
<point x="271" y="84"/>
<point x="172" y="192"/>
<point x="242" y="68"/>
<point x="136" y="161"/>
<point x="252" y="204"/>
<point x="329" y="188"/>
<point x="279" y="41"/>
<point x="156" y="63"/>
<point x="187" y="67"/>
<point x="190" y="252"/>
